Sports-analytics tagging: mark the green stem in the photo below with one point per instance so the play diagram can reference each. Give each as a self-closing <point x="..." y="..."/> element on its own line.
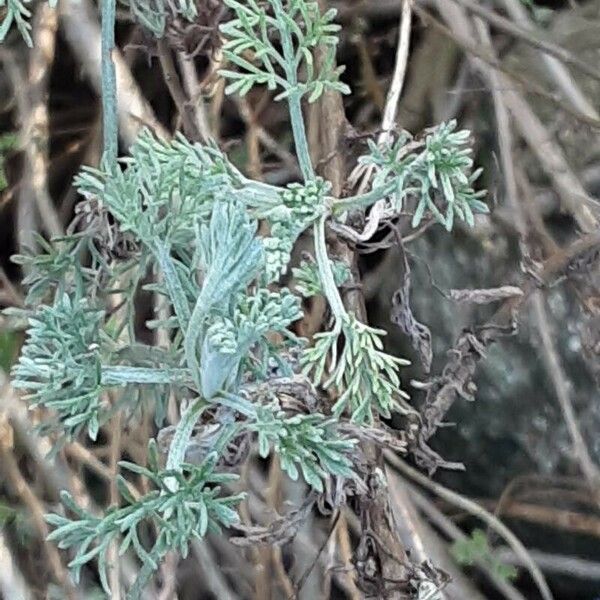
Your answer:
<point x="300" y="139"/>
<point x="295" y="97"/>
<point x="260" y="194"/>
<point x="364" y="200"/>
<point x="192" y="334"/>
<point x="174" y="287"/>
<point x="325" y="272"/>
<point x="181" y="438"/>
<point x="110" y="129"/>
<point x="121" y="375"/>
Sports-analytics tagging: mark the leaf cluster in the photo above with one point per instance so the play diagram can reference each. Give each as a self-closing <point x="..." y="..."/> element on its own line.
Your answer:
<point x="435" y="170"/>
<point x="194" y="221"/>
<point x="60" y="363"/>
<point x="365" y="376"/>
<point x="270" y="44"/>
<point x="155" y="14"/>
<point x="170" y="516"/>
<point x="308" y="442"/>
<point x="307" y="281"/>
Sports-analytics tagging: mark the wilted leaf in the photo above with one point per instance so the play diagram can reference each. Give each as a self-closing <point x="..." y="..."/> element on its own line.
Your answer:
<point x="402" y="315"/>
<point x="486" y="296"/>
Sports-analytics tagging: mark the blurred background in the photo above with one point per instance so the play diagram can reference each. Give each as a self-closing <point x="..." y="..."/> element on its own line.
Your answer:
<point x="529" y="436"/>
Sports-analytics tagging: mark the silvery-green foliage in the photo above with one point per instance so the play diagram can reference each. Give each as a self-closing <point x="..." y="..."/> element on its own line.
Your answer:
<point x="194" y="220"/>
<point x="436" y="170"/>
<point x="60" y="363"/>
<point x="306" y="442"/>
<point x="179" y="514"/>
<point x="299" y="206"/>
<point x="164" y="187"/>
<point x="54" y="267"/>
<point x="363" y="373"/>
<point x="154" y="14"/>
<point x="300" y="27"/>
<point x="307" y="281"/>
<point x="17" y="12"/>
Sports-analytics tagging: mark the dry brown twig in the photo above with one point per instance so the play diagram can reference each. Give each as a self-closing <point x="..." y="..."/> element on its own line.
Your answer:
<point x="550" y="156"/>
<point x="174" y="85"/>
<point x="478" y="511"/>
<point x="549" y="352"/>
<point x="31" y="92"/>
<point x="376" y="514"/>
<point x="529" y="37"/>
<point x="194" y="92"/>
<point x="556" y="69"/>
<point x="359" y="175"/>
<point x="522" y="81"/>
<point x="444" y="524"/>
<point x="37" y="511"/>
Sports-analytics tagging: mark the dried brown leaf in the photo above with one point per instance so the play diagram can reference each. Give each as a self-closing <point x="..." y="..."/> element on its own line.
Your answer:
<point x="402" y="315"/>
<point x="487" y="295"/>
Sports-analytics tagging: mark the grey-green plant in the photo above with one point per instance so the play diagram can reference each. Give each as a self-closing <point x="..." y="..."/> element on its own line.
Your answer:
<point x="153" y="15"/>
<point x="190" y="219"/>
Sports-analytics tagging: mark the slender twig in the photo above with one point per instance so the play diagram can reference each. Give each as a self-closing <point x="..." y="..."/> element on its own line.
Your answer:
<point x="31" y="95"/>
<point x="331" y="125"/>
<point x="389" y="117"/>
<point x="22" y="488"/>
<point x="561" y="388"/>
<point x="83" y="455"/>
<point x="538" y="138"/>
<point x="478" y="511"/>
<point x="553" y="518"/>
<point x="213" y="572"/>
<point x="300" y="584"/>
<point x="12" y="582"/>
<point x="37" y="127"/>
<point x="110" y="124"/>
<point x="266" y="139"/>
<point x="458" y="34"/>
<point x="529" y="37"/>
<point x="442" y="522"/>
<point x="557" y="70"/>
<point x="550" y="355"/>
<point x="115" y="455"/>
<point x="343" y="536"/>
<point x="11" y="295"/>
<point x="193" y="89"/>
<point x="558" y="564"/>
<point x="176" y="90"/>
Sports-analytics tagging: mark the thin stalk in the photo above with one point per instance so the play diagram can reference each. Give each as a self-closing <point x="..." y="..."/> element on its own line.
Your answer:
<point x="183" y="433"/>
<point x="181" y="441"/>
<point x="174" y="287"/>
<point x="110" y="129"/>
<point x="192" y="334"/>
<point x="299" y="132"/>
<point x="121" y="375"/>
<point x="363" y="200"/>
<point x="261" y="194"/>
<point x="325" y="272"/>
<point x="294" y="98"/>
